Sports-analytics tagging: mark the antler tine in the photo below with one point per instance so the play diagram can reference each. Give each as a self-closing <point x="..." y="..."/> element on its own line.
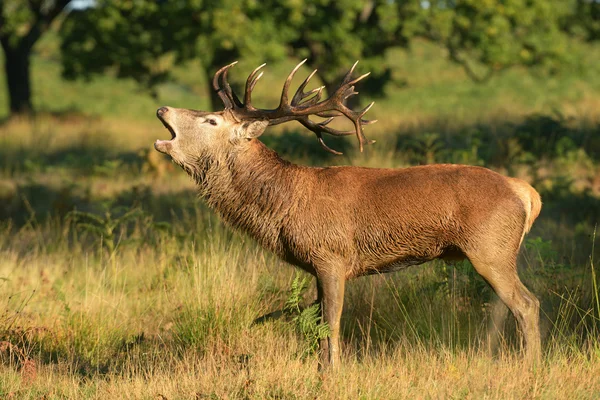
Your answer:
<point x="327" y="121"/>
<point x="332" y="107"/>
<point x="327" y="148"/>
<point x="250" y="83"/>
<point x="227" y="88"/>
<point x="300" y="95"/>
<point x="349" y="73"/>
<point x="256" y="80"/>
<point x="358" y="123"/>
<point x="315" y="126"/>
<point x="227" y="100"/>
<point x="360" y="78"/>
<point x="310" y="125"/>
<point x="312" y="101"/>
<point x="333" y="132"/>
<point x="215" y="80"/>
<point x="368" y="121"/>
<point x="349" y="93"/>
<point x="365" y="110"/>
<point x="284" y="93"/>
<point x="362" y="139"/>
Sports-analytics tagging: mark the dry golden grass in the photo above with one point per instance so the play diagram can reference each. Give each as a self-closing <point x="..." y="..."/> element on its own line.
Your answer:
<point x="272" y="374"/>
<point x="173" y="320"/>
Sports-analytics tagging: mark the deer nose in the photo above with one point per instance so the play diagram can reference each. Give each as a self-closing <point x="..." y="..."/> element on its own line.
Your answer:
<point x="161" y="111"/>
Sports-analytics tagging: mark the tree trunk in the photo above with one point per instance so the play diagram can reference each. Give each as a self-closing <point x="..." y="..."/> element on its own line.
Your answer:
<point x="17" y="56"/>
<point x="18" y="79"/>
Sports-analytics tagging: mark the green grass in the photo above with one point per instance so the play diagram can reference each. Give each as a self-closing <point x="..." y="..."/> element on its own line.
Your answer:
<point x="161" y="305"/>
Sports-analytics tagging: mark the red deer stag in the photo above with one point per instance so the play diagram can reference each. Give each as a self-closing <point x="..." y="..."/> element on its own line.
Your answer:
<point x="339" y="223"/>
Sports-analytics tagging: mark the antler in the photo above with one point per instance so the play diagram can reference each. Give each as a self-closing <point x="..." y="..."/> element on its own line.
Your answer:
<point x="302" y="105"/>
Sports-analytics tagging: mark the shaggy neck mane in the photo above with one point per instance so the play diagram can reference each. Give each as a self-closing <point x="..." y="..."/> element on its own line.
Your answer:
<point x="253" y="190"/>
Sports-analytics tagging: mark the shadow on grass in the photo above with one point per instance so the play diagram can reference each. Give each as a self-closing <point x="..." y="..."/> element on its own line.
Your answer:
<point x="82" y="159"/>
<point x="65" y="115"/>
<point x="498" y="142"/>
<point x="49" y="349"/>
<point x="37" y="201"/>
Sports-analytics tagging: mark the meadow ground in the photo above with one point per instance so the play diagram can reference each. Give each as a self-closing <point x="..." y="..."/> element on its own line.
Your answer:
<point x="143" y="293"/>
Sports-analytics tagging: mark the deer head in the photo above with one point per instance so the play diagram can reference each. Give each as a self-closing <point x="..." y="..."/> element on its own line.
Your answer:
<point x="199" y="134"/>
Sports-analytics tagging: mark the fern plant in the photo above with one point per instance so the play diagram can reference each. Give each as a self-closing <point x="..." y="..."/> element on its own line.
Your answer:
<point x="296" y="295"/>
<point x="107" y="228"/>
<point x="306" y="321"/>
<point x="428" y="147"/>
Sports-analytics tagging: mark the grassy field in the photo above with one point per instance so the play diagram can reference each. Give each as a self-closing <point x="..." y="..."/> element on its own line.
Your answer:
<point x="144" y="294"/>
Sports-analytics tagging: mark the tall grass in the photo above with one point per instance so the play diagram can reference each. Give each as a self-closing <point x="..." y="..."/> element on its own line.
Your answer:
<point x="173" y="315"/>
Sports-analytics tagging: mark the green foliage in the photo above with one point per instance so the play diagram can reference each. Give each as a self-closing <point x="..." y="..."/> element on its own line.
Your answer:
<point x="194" y="327"/>
<point x="308" y="323"/>
<point x="334" y="34"/>
<point x="15" y="17"/>
<point x="21" y="25"/>
<point x="143" y="43"/>
<point x="296" y="295"/>
<point x="93" y="327"/>
<point x="595" y="287"/>
<point x="145" y="39"/>
<point x="584" y="23"/>
<point x="543" y="249"/>
<point x="489" y="36"/>
<point x="427" y="148"/>
<point x="107" y="228"/>
<point x="308" y="320"/>
<point x="135" y="40"/>
<point x="22" y="22"/>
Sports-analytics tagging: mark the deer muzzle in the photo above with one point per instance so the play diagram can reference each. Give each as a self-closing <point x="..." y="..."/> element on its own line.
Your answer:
<point x="164" y="146"/>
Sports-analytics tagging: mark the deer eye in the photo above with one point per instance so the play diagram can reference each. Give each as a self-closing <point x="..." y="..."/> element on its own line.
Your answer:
<point x="212" y="121"/>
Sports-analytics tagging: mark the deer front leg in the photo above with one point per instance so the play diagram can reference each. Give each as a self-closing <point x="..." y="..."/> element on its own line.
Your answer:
<point x="330" y="290"/>
<point x="323" y="343"/>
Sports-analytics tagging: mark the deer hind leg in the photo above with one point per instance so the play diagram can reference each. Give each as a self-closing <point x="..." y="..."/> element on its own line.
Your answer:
<point x="500" y="271"/>
<point x="496" y="325"/>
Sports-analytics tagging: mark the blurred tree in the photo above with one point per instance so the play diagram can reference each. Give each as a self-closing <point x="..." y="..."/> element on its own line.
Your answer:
<point x="584" y="23"/>
<point x="333" y="34"/>
<point x="145" y="39"/>
<point x="22" y="23"/>
<point x="487" y="36"/>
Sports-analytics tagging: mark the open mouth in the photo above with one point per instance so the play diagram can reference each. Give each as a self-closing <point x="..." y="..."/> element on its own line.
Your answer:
<point x="165" y="146"/>
<point x="169" y="128"/>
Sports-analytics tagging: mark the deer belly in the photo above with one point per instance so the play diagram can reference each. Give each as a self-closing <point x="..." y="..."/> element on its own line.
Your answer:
<point x="395" y="265"/>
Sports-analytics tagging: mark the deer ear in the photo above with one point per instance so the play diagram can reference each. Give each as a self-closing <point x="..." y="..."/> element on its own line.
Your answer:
<point x="251" y="130"/>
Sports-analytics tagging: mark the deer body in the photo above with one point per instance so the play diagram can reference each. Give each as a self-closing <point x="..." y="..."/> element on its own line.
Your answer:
<point x="339" y="223"/>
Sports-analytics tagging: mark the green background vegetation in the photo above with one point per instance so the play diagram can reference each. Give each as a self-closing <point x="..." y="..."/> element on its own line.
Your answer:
<point x="143" y="293"/>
